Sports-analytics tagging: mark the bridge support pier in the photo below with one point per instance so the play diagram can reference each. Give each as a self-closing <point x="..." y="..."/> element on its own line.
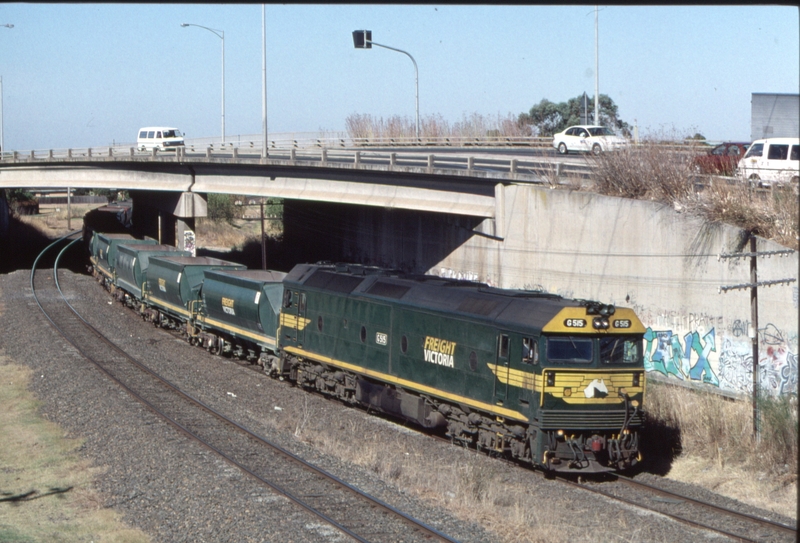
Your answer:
<point x="169" y="218"/>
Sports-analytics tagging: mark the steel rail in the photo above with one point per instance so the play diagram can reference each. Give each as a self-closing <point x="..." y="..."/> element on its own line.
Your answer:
<point x="746" y="516"/>
<point x="430" y="531"/>
<point x="627" y="480"/>
<point x="678" y="518"/>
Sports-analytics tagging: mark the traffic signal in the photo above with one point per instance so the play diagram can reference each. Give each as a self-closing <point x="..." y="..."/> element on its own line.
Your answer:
<point x="362" y="39"/>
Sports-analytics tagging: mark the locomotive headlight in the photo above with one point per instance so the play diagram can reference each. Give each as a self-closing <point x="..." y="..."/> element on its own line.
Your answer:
<point x="637" y="379"/>
<point x="567" y="392"/>
<point x="600" y="323"/>
<point x="550" y="378"/>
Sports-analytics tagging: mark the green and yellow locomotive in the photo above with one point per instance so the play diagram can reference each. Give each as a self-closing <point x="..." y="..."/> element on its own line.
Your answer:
<point x="555" y="382"/>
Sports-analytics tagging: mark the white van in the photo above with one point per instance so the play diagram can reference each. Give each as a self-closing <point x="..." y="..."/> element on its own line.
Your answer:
<point x="771" y="160"/>
<point x="162" y="138"/>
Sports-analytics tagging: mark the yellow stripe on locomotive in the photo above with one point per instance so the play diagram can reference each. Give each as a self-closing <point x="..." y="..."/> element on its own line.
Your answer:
<point x="594" y="319"/>
<point x="575" y="386"/>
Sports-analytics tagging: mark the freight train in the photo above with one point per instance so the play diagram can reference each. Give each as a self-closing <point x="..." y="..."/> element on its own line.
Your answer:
<point x="549" y="381"/>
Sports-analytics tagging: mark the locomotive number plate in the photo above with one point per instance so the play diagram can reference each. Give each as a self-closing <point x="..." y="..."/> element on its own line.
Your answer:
<point x="381" y="338"/>
<point x="575" y="323"/>
<point x="622" y="323"/>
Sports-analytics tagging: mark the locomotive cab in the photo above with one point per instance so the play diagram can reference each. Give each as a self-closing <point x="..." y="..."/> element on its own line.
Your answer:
<point x="591" y="390"/>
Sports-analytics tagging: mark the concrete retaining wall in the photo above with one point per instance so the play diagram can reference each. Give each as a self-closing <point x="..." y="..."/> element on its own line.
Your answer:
<point x="660" y="262"/>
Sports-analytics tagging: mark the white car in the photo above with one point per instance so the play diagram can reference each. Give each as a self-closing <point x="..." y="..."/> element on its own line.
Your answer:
<point x="594" y="139"/>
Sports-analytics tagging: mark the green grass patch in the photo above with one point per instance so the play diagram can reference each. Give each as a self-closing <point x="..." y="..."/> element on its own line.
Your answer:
<point x="46" y="489"/>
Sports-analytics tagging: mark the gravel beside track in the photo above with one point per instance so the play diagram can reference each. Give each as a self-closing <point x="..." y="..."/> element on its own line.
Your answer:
<point x="174" y="490"/>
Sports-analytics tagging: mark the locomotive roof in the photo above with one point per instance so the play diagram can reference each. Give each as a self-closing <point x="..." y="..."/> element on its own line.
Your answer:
<point x="504" y="307"/>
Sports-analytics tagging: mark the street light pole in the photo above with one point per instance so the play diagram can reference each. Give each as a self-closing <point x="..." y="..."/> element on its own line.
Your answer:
<point x="265" y="143"/>
<point x="2" y="141"/>
<point x="362" y="39"/>
<point x="596" y="71"/>
<point x="221" y="35"/>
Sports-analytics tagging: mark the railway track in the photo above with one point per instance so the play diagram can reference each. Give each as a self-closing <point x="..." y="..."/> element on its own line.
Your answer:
<point x="330" y="499"/>
<point x="735" y="525"/>
<point x="691" y="511"/>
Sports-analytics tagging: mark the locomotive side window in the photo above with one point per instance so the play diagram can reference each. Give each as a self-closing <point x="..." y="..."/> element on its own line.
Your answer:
<point x="287" y="298"/>
<point x="301" y="305"/>
<point x="620" y="350"/>
<point x="530" y="351"/>
<point x="569" y="349"/>
<point x="503" y="346"/>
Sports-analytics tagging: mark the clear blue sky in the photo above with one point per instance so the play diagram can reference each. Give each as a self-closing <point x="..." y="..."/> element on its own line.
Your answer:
<point x="77" y="75"/>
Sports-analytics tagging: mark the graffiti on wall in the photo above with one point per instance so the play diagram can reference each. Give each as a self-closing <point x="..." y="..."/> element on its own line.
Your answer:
<point x="665" y="353"/>
<point x="690" y="358"/>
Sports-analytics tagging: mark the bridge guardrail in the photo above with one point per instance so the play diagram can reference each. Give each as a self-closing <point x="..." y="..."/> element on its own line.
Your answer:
<point x="501" y="167"/>
<point x="359" y="153"/>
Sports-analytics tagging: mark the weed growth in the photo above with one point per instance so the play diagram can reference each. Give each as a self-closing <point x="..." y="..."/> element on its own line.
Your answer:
<point x="653" y="171"/>
<point x="364" y="126"/>
<point x="721" y="430"/>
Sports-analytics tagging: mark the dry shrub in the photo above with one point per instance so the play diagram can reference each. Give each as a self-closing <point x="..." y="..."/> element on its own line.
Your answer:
<point x="772" y="214"/>
<point x="649" y="171"/>
<point x="714" y="427"/>
<point x="664" y="174"/>
<point x="476" y="125"/>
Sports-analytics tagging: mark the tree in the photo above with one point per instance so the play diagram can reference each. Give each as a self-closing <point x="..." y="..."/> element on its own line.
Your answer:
<point x="546" y="118"/>
<point x="221" y="207"/>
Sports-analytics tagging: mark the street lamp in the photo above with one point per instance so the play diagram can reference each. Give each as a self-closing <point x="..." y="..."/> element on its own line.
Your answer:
<point x="221" y="35"/>
<point x="2" y="142"/>
<point x="362" y="39"/>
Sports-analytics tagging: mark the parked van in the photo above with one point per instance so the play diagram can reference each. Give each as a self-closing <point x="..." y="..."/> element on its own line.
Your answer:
<point x="771" y="161"/>
<point x="159" y="137"/>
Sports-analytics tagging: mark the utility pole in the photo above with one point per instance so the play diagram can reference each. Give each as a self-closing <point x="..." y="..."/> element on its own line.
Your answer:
<point x="263" y="239"/>
<point x="753" y="329"/>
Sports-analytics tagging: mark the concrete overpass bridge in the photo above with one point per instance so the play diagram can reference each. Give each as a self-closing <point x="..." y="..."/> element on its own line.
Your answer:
<point x="464" y="183"/>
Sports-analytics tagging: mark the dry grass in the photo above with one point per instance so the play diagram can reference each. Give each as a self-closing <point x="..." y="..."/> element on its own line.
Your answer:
<point x="40" y="462"/>
<point x="718" y="448"/>
<point x="656" y="172"/>
<point x="234" y="235"/>
<point x="470" y="486"/>
<point x="646" y="172"/>
<point x="772" y="214"/>
<point x="52" y="220"/>
<point x="364" y="126"/>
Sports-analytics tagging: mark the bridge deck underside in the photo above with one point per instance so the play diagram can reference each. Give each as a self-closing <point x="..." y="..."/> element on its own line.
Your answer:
<point x="403" y="192"/>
